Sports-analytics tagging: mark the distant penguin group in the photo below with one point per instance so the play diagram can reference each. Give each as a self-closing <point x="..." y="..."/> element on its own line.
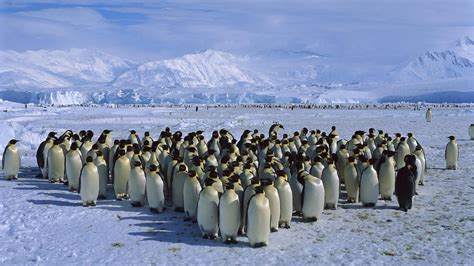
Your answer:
<point x="253" y="185"/>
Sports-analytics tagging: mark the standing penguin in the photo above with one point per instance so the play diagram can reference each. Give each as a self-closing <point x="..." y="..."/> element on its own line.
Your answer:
<point x="272" y="195"/>
<point x="89" y="183"/>
<point x="207" y="212"/>
<point x="420" y="155"/>
<point x="177" y="187"/>
<point x="56" y="163"/>
<point x="229" y="215"/>
<point x="429" y="115"/>
<point x="471" y="131"/>
<point x="11" y="160"/>
<point x="331" y="185"/>
<point x="122" y="171"/>
<point x="286" y="199"/>
<point x="402" y="150"/>
<point x="313" y="198"/>
<point x="154" y="190"/>
<point x="191" y="191"/>
<point x="42" y="153"/>
<point x="352" y="180"/>
<point x="369" y="186"/>
<point x="101" y="164"/>
<point x="451" y="154"/>
<point x="248" y="193"/>
<point x="386" y="174"/>
<point x="136" y="185"/>
<point x="405" y="183"/>
<point x="258" y="219"/>
<point x="73" y="167"/>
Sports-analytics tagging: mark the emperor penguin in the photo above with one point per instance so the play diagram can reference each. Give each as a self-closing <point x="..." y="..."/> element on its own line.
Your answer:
<point x="11" y="160"/>
<point x="73" y="167"/>
<point x="248" y="193"/>
<point x="386" y="175"/>
<point x="313" y="198"/>
<point x="108" y="137"/>
<point x="286" y="199"/>
<point x="342" y="158"/>
<point x="420" y="155"/>
<point x="56" y="163"/>
<point x="331" y="185"/>
<point x="272" y="195"/>
<point x="352" y="180"/>
<point x="471" y="131"/>
<point x="296" y="185"/>
<point x="451" y="154"/>
<point x="402" y="150"/>
<point x="369" y="186"/>
<point x="191" y="191"/>
<point x="86" y="146"/>
<point x="229" y="215"/>
<point x="89" y="183"/>
<point x="101" y="164"/>
<point x="122" y="171"/>
<point x="136" y="185"/>
<point x="47" y="146"/>
<point x="155" y="190"/>
<point x="177" y="187"/>
<point x="42" y="153"/>
<point x="411" y="141"/>
<point x="317" y="168"/>
<point x="429" y="115"/>
<point x="258" y="219"/>
<point x="207" y="211"/>
<point x="405" y="183"/>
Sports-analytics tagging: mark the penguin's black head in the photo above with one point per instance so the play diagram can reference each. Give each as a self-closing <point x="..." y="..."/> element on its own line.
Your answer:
<point x="137" y="164"/>
<point x="182" y="168"/>
<point x="167" y="129"/>
<point x="13" y="141"/>
<point x="74" y="146"/>
<point x="304" y="130"/>
<point x="99" y="153"/>
<point x="452" y="137"/>
<point x="254" y="181"/>
<point x="208" y="182"/>
<point x="192" y="173"/>
<point x="152" y="168"/>
<point x="211" y="152"/>
<point x="122" y="152"/>
<point x="229" y="185"/>
<point x="410" y="159"/>
<point x="146" y="143"/>
<point x="56" y="142"/>
<point x="133" y="132"/>
<point x="410" y="135"/>
<point x="380" y="132"/>
<point x="398" y="135"/>
<point x="259" y="190"/>
<point x="95" y="146"/>
<point x="402" y="139"/>
<point x="147" y="134"/>
<point x="89" y="159"/>
<point x="418" y="148"/>
<point x="351" y="159"/>
<point x="52" y="134"/>
<point x="213" y="174"/>
<point x="107" y="131"/>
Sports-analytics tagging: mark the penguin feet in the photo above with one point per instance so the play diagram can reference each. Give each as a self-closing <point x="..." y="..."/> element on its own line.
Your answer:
<point x="416" y="193"/>
<point x="228" y="241"/>
<point x="368" y="205"/>
<point x="205" y="236"/>
<point x="154" y="210"/>
<point x="136" y="204"/>
<point x="72" y="189"/>
<point x="284" y="225"/>
<point x="259" y="245"/>
<point x="92" y="204"/>
<point x="404" y="209"/>
<point x="66" y="183"/>
<point x="187" y="219"/>
<point x="387" y="199"/>
<point x="297" y="213"/>
<point x="118" y="199"/>
<point x="310" y="219"/>
<point x="273" y="230"/>
<point x="179" y="209"/>
<point x="101" y="197"/>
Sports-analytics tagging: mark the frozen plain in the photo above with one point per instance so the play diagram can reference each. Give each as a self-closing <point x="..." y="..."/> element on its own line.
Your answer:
<point x="42" y="223"/>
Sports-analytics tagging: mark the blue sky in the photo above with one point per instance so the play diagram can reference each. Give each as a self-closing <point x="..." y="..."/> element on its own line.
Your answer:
<point x="376" y="31"/>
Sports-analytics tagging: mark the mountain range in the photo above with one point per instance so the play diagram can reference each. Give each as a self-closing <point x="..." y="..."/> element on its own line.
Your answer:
<point x="77" y="76"/>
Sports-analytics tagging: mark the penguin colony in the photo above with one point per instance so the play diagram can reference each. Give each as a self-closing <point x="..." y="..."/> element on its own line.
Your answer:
<point x="228" y="186"/>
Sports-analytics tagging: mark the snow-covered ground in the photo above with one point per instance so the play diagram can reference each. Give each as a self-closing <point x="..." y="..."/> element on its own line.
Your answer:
<point x="44" y="223"/>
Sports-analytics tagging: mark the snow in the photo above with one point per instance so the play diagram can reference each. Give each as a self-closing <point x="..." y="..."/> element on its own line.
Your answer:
<point x="44" y="223"/>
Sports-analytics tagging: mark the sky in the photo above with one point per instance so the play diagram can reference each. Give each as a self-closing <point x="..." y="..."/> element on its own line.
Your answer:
<point x="376" y="31"/>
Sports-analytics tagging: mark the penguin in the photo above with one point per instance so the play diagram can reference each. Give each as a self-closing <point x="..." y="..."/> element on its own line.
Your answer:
<point x="191" y="191"/>
<point x="229" y="215"/>
<point x="56" y="163"/>
<point x="405" y="183"/>
<point x="258" y="219"/>
<point x="89" y="183"/>
<point x="101" y="165"/>
<point x="317" y="167"/>
<point x="420" y="155"/>
<point x="274" y="129"/>
<point x="471" y="131"/>
<point x="402" y="150"/>
<point x="136" y="185"/>
<point x="207" y="211"/>
<point x="369" y="186"/>
<point x="42" y="153"/>
<point x="86" y="146"/>
<point x="429" y="115"/>
<point x="11" y="161"/>
<point x="297" y="190"/>
<point x="248" y="193"/>
<point x="286" y="199"/>
<point x="272" y="195"/>
<point x="177" y="187"/>
<point x="155" y="190"/>
<point x="313" y="198"/>
<point x="412" y="143"/>
<point x="352" y="180"/>
<point x="73" y="167"/>
<point x="331" y="185"/>
<point x="122" y="171"/>
<point x="342" y="156"/>
<point x="451" y="154"/>
<point x="386" y="174"/>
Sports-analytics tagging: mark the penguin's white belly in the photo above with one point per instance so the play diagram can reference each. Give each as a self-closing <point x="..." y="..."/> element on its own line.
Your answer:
<point x="351" y="180"/>
<point x="191" y="197"/>
<point x="103" y="178"/>
<point x="89" y="186"/>
<point x="296" y="190"/>
<point x="155" y="193"/>
<point x="229" y="216"/>
<point x="73" y="170"/>
<point x="369" y="187"/>
<point x="137" y="187"/>
<point x="451" y="156"/>
<point x="56" y="165"/>
<point x="387" y="180"/>
<point x="313" y="204"/>
<point x="471" y="132"/>
<point x="121" y="175"/>
<point x="258" y="222"/>
<point x="207" y="215"/>
<point x="11" y="164"/>
<point x="274" y="200"/>
<point x="286" y="203"/>
<point x="331" y="189"/>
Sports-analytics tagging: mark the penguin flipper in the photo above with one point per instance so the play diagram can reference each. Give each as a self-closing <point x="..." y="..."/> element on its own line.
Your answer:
<point x="39" y="154"/>
<point x="3" y="158"/>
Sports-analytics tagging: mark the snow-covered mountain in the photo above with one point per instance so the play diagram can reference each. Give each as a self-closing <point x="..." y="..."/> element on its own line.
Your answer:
<point x="452" y="63"/>
<point x="53" y="69"/>
<point x="206" y="69"/>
